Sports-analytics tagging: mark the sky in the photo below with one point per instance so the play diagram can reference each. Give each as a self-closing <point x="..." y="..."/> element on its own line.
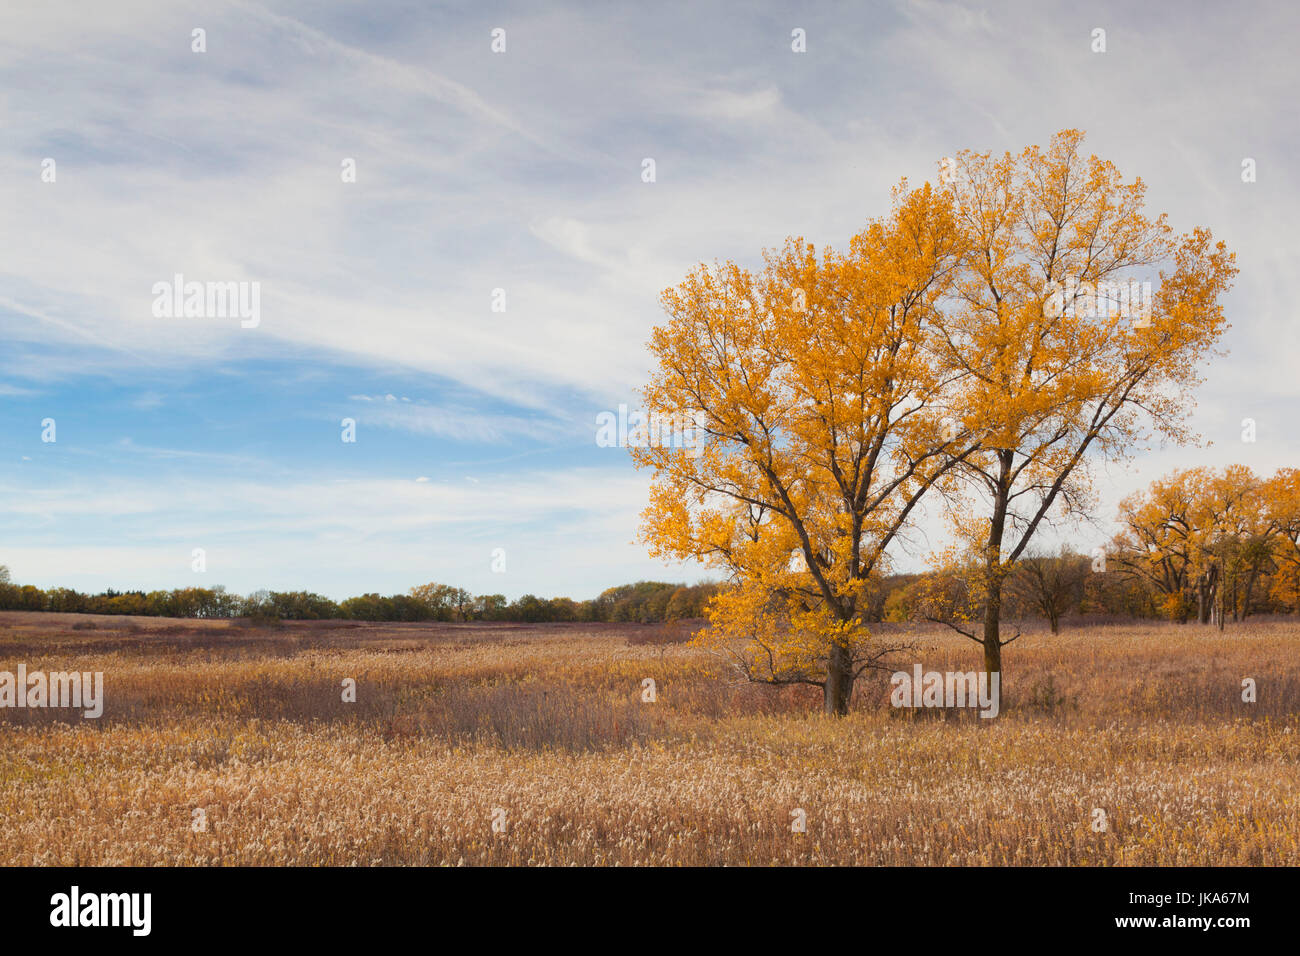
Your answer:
<point x="483" y="287"/>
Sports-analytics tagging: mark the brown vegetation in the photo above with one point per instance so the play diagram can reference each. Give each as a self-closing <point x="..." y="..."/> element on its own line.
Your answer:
<point x="547" y="723"/>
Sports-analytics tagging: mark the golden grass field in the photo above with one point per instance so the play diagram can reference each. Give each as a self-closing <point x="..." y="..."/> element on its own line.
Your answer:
<point x="546" y="723"/>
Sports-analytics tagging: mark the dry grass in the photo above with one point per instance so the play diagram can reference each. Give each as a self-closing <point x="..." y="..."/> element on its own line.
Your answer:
<point x="546" y="723"/>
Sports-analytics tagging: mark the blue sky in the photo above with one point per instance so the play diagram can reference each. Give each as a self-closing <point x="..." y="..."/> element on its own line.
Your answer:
<point x="519" y="171"/>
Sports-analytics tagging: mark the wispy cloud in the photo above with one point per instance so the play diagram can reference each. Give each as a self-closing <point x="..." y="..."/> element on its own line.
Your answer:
<point x="518" y="172"/>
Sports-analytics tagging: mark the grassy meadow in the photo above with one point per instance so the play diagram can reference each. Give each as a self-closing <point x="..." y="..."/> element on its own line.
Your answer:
<point x="542" y="729"/>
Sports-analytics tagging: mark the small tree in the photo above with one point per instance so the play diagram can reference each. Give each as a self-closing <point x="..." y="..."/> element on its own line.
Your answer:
<point x="1050" y="584"/>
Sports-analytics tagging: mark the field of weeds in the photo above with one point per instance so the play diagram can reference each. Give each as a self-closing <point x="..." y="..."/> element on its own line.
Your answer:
<point x="516" y="744"/>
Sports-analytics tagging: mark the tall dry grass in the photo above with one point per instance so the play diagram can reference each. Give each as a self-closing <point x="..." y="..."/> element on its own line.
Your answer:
<point x="454" y="722"/>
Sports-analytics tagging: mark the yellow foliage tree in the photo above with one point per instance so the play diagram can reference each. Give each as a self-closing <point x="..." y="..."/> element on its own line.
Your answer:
<point x="1062" y="359"/>
<point x="1281" y="496"/>
<point x="824" y="417"/>
<point x="1201" y="537"/>
<point x="957" y="344"/>
<point x="1159" y="540"/>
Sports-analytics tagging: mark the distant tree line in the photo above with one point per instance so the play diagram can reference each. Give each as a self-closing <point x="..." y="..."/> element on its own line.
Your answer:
<point x="643" y="602"/>
<point x="1049" y="587"/>
<point x="1201" y="544"/>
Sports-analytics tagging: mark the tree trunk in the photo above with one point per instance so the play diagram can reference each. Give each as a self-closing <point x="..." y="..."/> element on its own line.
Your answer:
<point x="1250" y="589"/>
<point x="1207" y="591"/>
<point x="992" y="638"/>
<point x="839" y="681"/>
<point x="993" y="568"/>
<point x="1222" y="611"/>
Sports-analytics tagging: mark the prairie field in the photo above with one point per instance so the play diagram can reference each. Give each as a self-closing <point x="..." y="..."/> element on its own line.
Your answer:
<point x="504" y="744"/>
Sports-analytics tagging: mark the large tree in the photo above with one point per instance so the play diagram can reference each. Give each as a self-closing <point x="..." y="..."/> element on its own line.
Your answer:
<point x="1281" y="495"/>
<point x="1060" y="363"/>
<point x="1159" y="541"/>
<point x="1200" y="537"/>
<point x="815" y="385"/>
<point x="957" y="344"/>
<point x="1237" y="539"/>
